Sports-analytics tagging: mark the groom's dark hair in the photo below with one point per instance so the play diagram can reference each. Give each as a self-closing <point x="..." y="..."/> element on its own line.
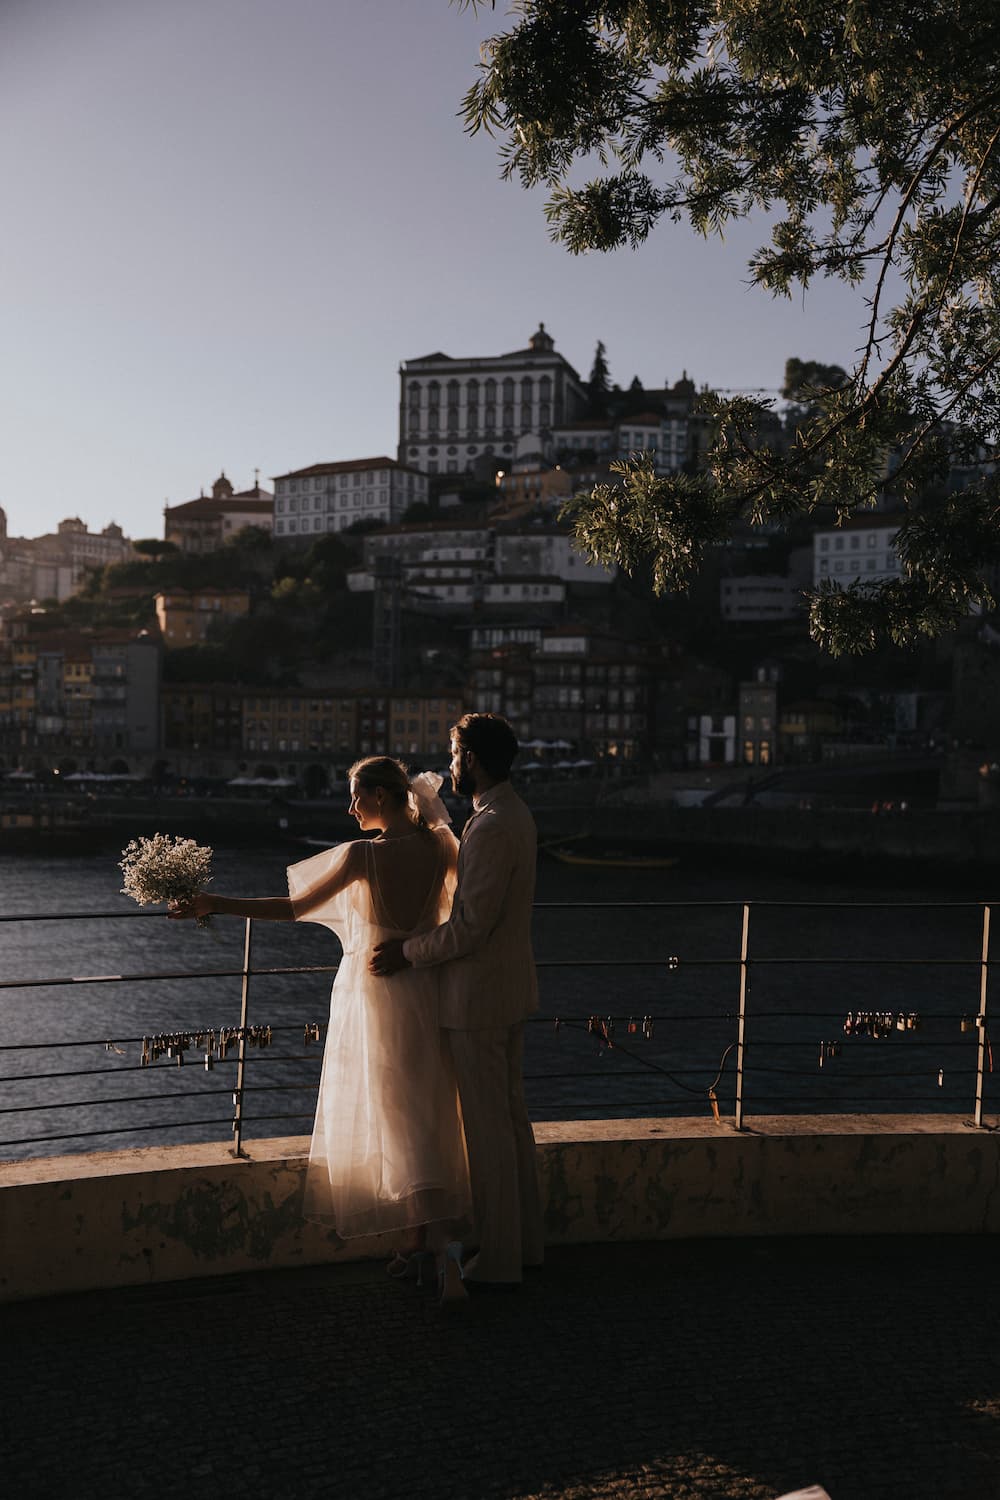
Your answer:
<point x="491" y="740"/>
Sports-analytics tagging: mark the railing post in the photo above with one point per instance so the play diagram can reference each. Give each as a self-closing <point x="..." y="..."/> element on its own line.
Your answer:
<point x="741" y="1034"/>
<point x="984" y="974"/>
<point x="241" y="1059"/>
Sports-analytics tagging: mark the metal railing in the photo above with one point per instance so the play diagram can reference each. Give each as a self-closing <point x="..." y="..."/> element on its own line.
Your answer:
<point x="622" y="1034"/>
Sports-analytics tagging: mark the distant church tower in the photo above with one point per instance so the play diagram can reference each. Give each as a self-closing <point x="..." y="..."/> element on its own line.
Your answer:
<point x="541" y="342"/>
<point x="3" y="524"/>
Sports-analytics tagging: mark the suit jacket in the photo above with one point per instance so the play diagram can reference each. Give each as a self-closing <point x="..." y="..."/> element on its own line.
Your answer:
<point x="489" y="976"/>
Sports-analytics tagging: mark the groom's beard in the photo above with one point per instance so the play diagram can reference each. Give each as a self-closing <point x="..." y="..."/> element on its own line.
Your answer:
<point x="464" y="784"/>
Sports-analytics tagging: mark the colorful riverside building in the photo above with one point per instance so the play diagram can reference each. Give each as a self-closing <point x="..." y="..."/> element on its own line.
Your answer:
<point x="70" y="694"/>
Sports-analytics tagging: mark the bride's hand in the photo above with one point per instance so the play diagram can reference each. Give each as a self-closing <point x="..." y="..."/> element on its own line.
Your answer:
<point x="198" y="906"/>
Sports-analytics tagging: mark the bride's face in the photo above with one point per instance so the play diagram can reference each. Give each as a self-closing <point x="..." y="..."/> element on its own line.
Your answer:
<point x="366" y="806"/>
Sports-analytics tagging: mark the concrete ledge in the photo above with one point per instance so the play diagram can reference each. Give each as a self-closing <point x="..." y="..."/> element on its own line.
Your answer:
<point x="119" y="1218"/>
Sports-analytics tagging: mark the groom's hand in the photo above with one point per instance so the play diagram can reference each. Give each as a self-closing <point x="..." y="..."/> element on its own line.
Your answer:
<point x="388" y="958"/>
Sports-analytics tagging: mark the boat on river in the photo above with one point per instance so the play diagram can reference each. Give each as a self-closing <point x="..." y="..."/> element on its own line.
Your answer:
<point x="587" y="852"/>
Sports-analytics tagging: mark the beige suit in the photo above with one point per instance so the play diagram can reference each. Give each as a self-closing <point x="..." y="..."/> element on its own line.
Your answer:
<point x="488" y="987"/>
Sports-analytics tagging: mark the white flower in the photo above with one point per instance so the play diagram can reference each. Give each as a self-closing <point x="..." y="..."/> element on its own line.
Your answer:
<point x="165" y="868"/>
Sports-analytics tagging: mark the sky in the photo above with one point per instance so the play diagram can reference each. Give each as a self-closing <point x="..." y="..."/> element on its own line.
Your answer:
<point x="227" y="222"/>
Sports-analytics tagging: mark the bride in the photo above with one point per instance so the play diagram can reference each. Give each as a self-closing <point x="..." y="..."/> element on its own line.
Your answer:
<point x="387" y="1151"/>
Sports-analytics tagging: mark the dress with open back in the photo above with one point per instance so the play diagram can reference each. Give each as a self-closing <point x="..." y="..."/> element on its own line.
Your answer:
<point x="388" y="1151"/>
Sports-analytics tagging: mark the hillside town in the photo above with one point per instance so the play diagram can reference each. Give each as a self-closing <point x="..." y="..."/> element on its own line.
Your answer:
<point x="359" y="605"/>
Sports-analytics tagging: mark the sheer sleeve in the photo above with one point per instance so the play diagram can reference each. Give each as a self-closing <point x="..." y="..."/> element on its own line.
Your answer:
<point x="320" y="887"/>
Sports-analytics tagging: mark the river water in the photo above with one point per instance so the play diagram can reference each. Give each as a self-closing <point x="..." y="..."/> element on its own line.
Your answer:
<point x="606" y="947"/>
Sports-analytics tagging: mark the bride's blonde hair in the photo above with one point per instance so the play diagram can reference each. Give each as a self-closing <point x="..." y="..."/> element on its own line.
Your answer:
<point x="390" y="775"/>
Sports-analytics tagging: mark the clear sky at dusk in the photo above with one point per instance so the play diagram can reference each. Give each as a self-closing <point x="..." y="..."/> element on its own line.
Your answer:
<point x="226" y="222"/>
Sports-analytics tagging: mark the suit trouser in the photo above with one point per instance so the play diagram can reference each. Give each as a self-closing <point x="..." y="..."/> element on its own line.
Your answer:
<point x="501" y="1145"/>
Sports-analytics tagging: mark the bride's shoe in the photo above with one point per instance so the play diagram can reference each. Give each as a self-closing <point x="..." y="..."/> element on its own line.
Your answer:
<point x="451" y="1277"/>
<point x="408" y="1267"/>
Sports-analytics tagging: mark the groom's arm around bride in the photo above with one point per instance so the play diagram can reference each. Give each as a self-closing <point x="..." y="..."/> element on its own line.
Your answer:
<point x="488" y="988"/>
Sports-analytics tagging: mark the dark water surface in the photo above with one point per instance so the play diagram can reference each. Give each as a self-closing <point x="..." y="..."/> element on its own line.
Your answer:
<point x="604" y="948"/>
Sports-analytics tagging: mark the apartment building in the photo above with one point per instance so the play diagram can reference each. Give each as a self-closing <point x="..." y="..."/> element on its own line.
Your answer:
<point x="186" y="616"/>
<point x="419" y="725"/>
<point x="862" y="550"/>
<point x="329" y="497"/>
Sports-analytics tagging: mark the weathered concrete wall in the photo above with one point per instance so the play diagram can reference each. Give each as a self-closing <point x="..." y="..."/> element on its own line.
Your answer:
<point x="120" y="1218"/>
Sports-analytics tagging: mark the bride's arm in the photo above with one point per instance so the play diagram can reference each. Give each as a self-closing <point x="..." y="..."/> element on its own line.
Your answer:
<point x="262" y="908"/>
<point x="272" y="908"/>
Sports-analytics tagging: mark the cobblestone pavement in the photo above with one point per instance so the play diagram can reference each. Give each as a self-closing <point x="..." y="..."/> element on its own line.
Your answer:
<point x="731" y="1369"/>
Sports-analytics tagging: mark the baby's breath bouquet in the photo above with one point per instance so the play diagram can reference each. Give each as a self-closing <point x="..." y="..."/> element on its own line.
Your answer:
<point x="165" y="868"/>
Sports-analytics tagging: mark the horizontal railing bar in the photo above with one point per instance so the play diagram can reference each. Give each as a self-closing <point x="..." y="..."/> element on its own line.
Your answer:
<point x="755" y="1045"/>
<point x="78" y="916"/>
<point x="57" y="981"/>
<point x="780" y="905"/>
<point x="125" y="1041"/>
<point x="28" y="1109"/>
<point x="28" y="984"/>
<point x="255" y="1119"/>
<point x="157" y="1067"/>
<point x="764" y="1099"/>
<point x="72" y="1135"/>
<point x="88" y="916"/>
<point x="830" y="1076"/>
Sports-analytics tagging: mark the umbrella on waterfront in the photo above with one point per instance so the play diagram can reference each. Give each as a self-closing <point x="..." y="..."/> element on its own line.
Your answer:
<point x="532" y="765"/>
<point x="578" y="764"/>
<point x="534" y="744"/>
<point x="560" y="745"/>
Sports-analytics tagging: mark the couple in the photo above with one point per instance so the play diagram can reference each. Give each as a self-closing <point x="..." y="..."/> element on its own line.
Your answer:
<point x="421" y="1094"/>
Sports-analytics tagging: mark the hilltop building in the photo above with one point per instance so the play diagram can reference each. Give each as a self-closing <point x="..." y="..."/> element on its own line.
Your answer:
<point x="55" y="565"/>
<point x="203" y="525"/>
<point x="463" y="416"/>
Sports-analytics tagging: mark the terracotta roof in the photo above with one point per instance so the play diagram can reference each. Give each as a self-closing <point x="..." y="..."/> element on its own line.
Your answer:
<point x="643" y="419"/>
<point x="207" y="508"/>
<point x="348" y="466"/>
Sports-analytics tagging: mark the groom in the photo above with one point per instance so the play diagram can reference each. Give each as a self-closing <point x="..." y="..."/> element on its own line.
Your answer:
<point x="488" y="987"/>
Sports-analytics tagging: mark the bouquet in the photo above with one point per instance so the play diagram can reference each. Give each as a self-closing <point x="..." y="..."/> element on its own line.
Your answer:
<point x="165" y="868"/>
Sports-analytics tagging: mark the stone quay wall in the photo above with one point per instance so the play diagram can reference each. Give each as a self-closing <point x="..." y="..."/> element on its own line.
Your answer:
<point x="110" y="1219"/>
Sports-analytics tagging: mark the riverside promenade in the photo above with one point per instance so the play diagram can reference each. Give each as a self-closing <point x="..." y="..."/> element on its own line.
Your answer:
<point x="730" y="1368"/>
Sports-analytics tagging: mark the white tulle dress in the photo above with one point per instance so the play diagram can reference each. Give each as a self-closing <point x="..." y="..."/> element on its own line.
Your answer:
<point x="388" y="1149"/>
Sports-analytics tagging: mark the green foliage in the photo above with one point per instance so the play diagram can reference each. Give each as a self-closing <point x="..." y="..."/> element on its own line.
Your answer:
<point x="418" y="511"/>
<point x="868" y="133"/>
<point x="599" y="384"/>
<point x="154" y="546"/>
